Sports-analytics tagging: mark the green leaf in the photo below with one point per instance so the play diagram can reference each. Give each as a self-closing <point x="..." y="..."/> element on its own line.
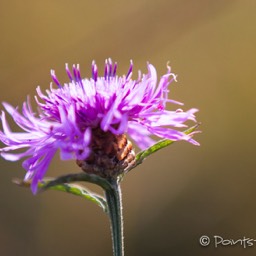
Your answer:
<point x="157" y="146"/>
<point x="76" y="177"/>
<point x="75" y="189"/>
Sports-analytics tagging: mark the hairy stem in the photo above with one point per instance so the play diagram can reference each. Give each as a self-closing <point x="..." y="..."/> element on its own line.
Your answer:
<point x="114" y="202"/>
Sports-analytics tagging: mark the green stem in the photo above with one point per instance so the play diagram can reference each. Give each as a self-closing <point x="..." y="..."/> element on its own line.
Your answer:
<point x="114" y="202"/>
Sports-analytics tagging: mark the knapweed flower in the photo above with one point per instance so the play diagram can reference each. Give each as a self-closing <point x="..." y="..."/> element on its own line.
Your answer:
<point x="87" y="119"/>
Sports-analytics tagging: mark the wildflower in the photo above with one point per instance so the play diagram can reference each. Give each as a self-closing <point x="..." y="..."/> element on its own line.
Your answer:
<point x="89" y="120"/>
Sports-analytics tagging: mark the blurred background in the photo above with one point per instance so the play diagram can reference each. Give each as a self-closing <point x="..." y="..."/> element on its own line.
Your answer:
<point x="183" y="191"/>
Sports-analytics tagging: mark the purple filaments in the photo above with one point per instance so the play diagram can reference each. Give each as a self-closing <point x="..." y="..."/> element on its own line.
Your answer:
<point x="71" y="112"/>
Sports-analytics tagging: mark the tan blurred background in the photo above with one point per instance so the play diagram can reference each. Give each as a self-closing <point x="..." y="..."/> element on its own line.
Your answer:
<point x="183" y="191"/>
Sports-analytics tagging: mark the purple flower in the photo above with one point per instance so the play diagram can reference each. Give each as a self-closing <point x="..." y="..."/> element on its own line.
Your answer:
<point x="69" y="113"/>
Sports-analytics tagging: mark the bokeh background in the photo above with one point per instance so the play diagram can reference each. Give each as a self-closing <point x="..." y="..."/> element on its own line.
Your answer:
<point x="183" y="191"/>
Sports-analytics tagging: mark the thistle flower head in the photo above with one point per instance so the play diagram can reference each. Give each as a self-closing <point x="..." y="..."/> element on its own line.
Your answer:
<point x="73" y="116"/>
